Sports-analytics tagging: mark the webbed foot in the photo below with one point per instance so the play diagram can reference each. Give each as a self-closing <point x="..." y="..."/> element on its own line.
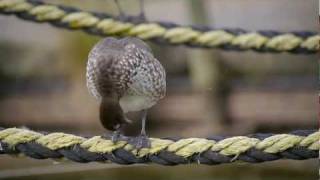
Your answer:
<point x="115" y="136"/>
<point x="142" y="141"/>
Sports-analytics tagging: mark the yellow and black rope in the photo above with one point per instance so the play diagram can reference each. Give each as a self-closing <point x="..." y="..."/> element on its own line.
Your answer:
<point x="303" y="144"/>
<point x="162" y="32"/>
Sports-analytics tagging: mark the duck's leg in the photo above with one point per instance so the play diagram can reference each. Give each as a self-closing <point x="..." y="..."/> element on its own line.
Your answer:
<point x="142" y="14"/>
<point x="116" y="135"/>
<point x="143" y="122"/>
<point x="121" y="13"/>
<point x="142" y="141"/>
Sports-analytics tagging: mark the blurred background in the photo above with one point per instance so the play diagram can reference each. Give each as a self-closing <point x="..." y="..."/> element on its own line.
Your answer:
<point x="209" y="92"/>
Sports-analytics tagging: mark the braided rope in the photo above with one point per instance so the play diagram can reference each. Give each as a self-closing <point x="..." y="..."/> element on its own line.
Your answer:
<point x="303" y="144"/>
<point x="161" y="32"/>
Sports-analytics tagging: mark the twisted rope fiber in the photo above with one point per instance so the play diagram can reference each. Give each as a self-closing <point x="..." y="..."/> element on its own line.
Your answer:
<point x="302" y="144"/>
<point x="161" y="32"/>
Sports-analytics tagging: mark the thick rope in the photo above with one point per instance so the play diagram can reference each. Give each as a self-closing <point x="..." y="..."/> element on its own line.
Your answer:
<point x="298" y="145"/>
<point x="161" y="32"/>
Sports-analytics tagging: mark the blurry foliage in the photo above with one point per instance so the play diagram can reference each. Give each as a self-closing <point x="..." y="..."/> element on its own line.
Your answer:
<point x="76" y="49"/>
<point x="26" y="69"/>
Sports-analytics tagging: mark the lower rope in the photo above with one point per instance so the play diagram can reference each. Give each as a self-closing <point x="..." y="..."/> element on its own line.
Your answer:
<point x="297" y="145"/>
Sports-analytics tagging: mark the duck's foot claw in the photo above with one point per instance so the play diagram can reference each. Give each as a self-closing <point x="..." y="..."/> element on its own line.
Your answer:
<point x="142" y="141"/>
<point x="115" y="136"/>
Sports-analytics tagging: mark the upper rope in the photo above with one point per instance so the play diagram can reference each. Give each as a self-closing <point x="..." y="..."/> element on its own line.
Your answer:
<point x="162" y="32"/>
<point x="303" y="144"/>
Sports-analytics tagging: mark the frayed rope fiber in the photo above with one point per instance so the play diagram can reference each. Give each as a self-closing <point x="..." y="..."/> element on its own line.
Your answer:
<point x="298" y="145"/>
<point x="162" y="32"/>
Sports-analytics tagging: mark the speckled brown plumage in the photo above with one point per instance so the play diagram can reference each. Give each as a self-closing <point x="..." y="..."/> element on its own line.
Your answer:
<point x="124" y="76"/>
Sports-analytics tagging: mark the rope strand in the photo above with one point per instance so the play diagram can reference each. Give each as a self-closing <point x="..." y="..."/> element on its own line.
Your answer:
<point x="303" y="144"/>
<point x="161" y="32"/>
